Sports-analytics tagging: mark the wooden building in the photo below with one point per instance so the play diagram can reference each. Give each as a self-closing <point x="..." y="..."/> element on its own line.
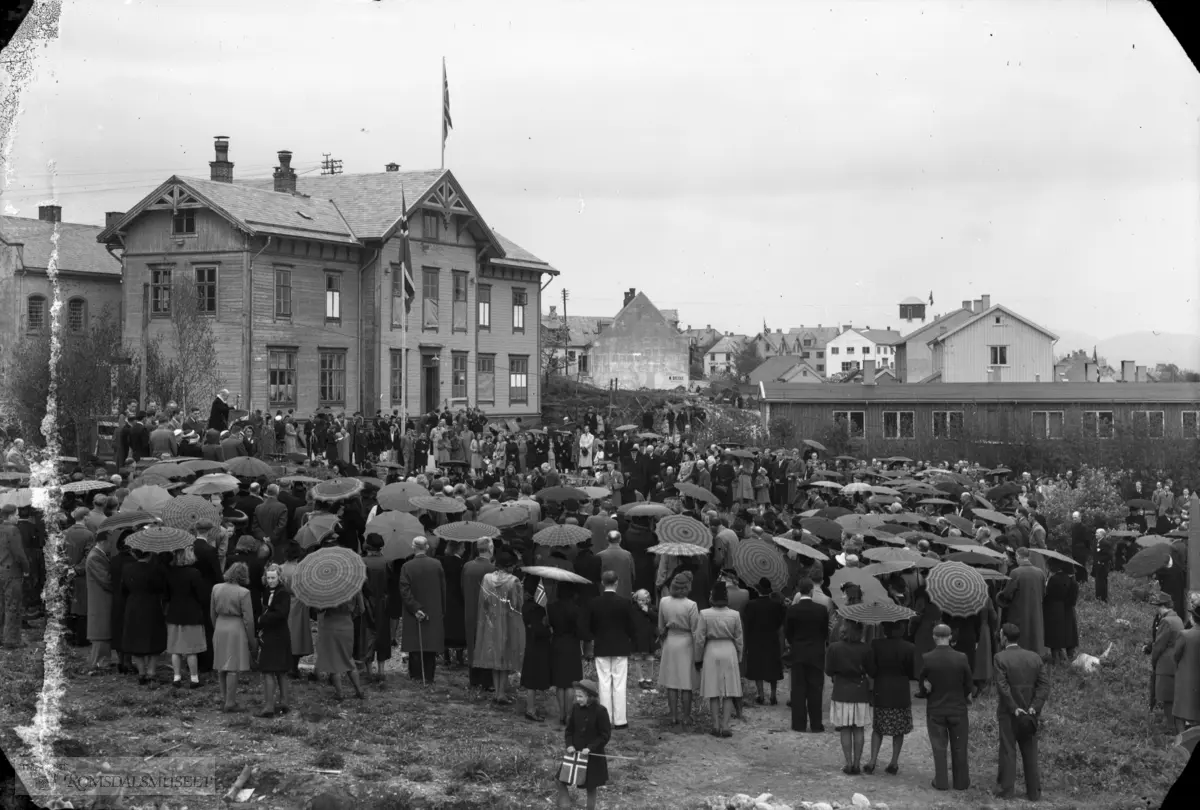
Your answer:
<point x="994" y="345"/>
<point x="947" y="420"/>
<point x="302" y="279"/>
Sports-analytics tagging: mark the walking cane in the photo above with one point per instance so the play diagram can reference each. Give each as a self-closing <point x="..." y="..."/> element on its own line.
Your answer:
<point x="421" y="648"/>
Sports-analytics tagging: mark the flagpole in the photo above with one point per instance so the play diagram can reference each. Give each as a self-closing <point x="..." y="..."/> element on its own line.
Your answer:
<point x="443" y="121"/>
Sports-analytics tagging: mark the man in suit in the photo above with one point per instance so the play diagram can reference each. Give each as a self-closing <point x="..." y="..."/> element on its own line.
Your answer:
<point x="1103" y="564"/>
<point x="620" y="562"/>
<point x="139" y="437"/>
<point x="806" y="629"/>
<point x="1023" y="687"/>
<point x="946" y="675"/>
<point x="1080" y="547"/>
<point x="232" y="445"/>
<point x="423" y="592"/>
<point x="218" y="416"/>
<point x="638" y="472"/>
<point x="270" y="522"/>
<point x="609" y="627"/>
<point x="473" y="573"/>
<point x="162" y="439"/>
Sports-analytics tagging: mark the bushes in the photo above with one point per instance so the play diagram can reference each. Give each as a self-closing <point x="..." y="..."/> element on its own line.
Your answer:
<point x="1096" y="497"/>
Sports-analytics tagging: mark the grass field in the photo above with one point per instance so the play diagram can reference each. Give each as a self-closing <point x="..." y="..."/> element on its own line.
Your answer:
<point x="410" y="746"/>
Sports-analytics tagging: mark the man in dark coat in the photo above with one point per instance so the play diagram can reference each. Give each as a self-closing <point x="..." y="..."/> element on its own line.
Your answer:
<point x="456" y="634"/>
<point x="1023" y="687"/>
<point x="610" y="625"/>
<point x="946" y="675"/>
<point x="1023" y="599"/>
<point x="218" y="416"/>
<point x="232" y="445"/>
<point x="271" y="523"/>
<point x="139" y="437"/>
<point x="209" y="564"/>
<point x="1081" y="548"/>
<point x="473" y="573"/>
<point x="423" y="591"/>
<point x="806" y="629"/>
<point x="638" y="472"/>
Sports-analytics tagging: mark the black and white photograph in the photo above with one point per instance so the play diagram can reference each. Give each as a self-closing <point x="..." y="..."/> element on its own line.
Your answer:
<point x="683" y="406"/>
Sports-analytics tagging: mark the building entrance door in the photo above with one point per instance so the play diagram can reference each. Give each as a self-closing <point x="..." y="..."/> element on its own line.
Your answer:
<point x="430" y="383"/>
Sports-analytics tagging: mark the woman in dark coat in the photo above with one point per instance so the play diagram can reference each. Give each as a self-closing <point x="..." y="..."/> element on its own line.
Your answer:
<point x="566" y="651"/>
<point x="116" y="566"/>
<point x="1058" y="613"/>
<point x="455" y="619"/>
<point x="144" y="587"/>
<point x="928" y="616"/>
<point x="211" y="449"/>
<point x="891" y="702"/>
<point x="378" y="647"/>
<point x="637" y="541"/>
<point x="274" y="642"/>
<point x="965" y="631"/>
<point x="762" y="620"/>
<point x="588" y="729"/>
<point x="535" y="666"/>
<point x="187" y="603"/>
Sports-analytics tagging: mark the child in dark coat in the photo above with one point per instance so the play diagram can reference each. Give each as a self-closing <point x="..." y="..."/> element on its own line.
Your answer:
<point x="646" y="641"/>
<point x="588" y="731"/>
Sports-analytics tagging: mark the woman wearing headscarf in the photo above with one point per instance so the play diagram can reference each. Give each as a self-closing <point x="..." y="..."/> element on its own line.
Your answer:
<point x="719" y="652"/>
<point x="234" y="641"/>
<point x="763" y="619"/>
<point x="144" y="637"/>
<point x="246" y="552"/>
<point x="536" y="663"/>
<point x="500" y="626"/>
<point x="187" y="602"/>
<point x="850" y="665"/>
<point x="566" y="650"/>
<point x="274" y="642"/>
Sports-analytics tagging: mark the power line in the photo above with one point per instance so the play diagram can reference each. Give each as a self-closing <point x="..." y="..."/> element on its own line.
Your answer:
<point x="17" y="191"/>
<point x="330" y="166"/>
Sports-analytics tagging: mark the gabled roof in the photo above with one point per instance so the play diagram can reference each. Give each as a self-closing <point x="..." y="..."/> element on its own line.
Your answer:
<point x="581" y="329"/>
<point x="964" y="393"/>
<point x="997" y="308"/>
<point x="856" y="375"/>
<point x="941" y="320"/>
<point x="726" y="345"/>
<point x="803" y="368"/>
<point x="773" y="368"/>
<point x="517" y="256"/>
<point x="821" y="334"/>
<point x="253" y="210"/>
<point x="883" y="337"/>
<point x="912" y="299"/>
<point x="78" y="250"/>
<point x="672" y="315"/>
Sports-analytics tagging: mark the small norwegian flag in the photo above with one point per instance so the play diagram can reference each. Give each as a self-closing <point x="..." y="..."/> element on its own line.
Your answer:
<point x="539" y="595"/>
<point x="573" y="770"/>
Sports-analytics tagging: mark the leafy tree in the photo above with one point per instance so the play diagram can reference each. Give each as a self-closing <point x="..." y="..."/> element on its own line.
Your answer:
<point x="745" y="361"/>
<point x="181" y="365"/>
<point x="1095" y="496"/>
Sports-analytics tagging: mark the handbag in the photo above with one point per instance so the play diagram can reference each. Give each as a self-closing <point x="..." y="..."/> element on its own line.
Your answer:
<point x="573" y="770"/>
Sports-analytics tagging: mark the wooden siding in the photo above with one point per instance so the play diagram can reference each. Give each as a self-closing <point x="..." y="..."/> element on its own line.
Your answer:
<point x="967" y="358"/>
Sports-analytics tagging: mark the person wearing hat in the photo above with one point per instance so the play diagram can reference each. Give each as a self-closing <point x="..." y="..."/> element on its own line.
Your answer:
<point x="423" y="593"/>
<point x="1058" y="611"/>
<point x="14" y="567"/>
<point x="1023" y="687"/>
<point x="1024" y="596"/>
<point x="271" y="523"/>
<point x="719" y="652"/>
<point x="500" y="627"/>
<point x="77" y="542"/>
<point x="1186" y="706"/>
<point x="1168" y="626"/>
<point x="945" y="675"/>
<point x="588" y="732"/>
<point x="763" y="619"/>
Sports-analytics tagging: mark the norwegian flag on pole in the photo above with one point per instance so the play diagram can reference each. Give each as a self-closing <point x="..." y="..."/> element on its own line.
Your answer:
<point x="447" y="124"/>
<point x="410" y="289"/>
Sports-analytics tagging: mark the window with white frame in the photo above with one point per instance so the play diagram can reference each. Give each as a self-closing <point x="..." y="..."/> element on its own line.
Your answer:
<point x="483" y="305"/>
<point x="899" y="425"/>
<point x="458" y="303"/>
<point x="333" y="296"/>
<point x="485" y="379"/>
<point x="331" y="378"/>
<point x="396" y="381"/>
<point x="855" y="422"/>
<point x="947" y="424"/>
<point x="458" y="375"/>
<point x="519" y="302"/>
<point x="160" y="292"/>
<point x="1151" y="424"/>
<point x="998" y="355"/>
<point x="281" y="377"/>
<point x="1098" y="424"/>
<point x="518" y="379"/>
<point x="1047" y="425"/>
<point x="429" y="298"/>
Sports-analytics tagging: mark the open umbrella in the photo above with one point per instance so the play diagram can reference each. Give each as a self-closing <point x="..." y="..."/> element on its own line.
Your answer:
<point x="318" y="527"/>
<point x="1151" y="540"/>
<point x="507" y="516"/>
<point x="370" y="482"/>
<point x="984" y="502"/>
<point x="876" y="613"/>
<point x="1054" y="555"/>
<point x="1005" y="490"/>
<point x="147" y="480"/>
<point x="126" y="520"/>
<point x="872" y="591"/>
<point x="975" y="548"/>
<point x="168" y="469"/>
<point x="596" y="493"/>
<point x="823" y="528"/>
<point x="934" y="502"/>
<point x="558" y="494"/>
<point x="856" y="524"/>
<point x="683" y="529"/>
<point x="823" y="484"/>
<point x="755" y="559"/>
<point x="993" y="516"/>
<point x="199" y="466"/>
<point x="883" y="569"/>
<point x="398" y="496"/>
<point x="956" y="588"/>
<point x="647" y="509"/>
<point x="186" y="511"/>
<point x="626" y="427"/>
<point x="971" y="558"/>
<point x="86" y="486"/>
<point x="466" y="531"/>
<point x="556" y="574"/>
<point x="288" y="480"/>
<point x="882" y="500"/>
<point x="886" y="491"/>
<point x="157" y="539"/>
<point x="855" y="488"/>
<point x="904" y="518"/>
<point x="213" y="484"/>
<point x="146" y="499"/>
<point x="563" y="535"/>
<point x="802" y="549"/>
<point x="898" y="460"/>
<point x="1139" y="503"/>
<point x="678" y="550"/>
<point x="833" y="512"/>
<point x="398" y="530"/>
<point x="815" y="445"/>
<point x="438" y="503"/>
<point x="696" y="492"/>
<point x="250" y="467"/>
<point x="961" y="523"/>
<point x="991" y="573"/>
<point x="337" y="489"/>
<point x="736" y="453"/>
<point x="329" y="577"/>
<point x="1187" y="740"/>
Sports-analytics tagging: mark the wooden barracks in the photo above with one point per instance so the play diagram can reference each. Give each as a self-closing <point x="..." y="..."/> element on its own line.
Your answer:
<point x="301" y="278"/>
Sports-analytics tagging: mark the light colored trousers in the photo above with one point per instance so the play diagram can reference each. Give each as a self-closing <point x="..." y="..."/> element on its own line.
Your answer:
<point x="611" y="673"/>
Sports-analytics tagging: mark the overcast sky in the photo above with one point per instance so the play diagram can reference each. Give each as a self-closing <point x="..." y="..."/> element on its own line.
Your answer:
<point x="792" y="161"/>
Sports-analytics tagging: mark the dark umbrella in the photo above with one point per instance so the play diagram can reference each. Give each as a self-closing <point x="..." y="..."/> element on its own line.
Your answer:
<point x="126" y="520"/>
<point x="823" y="528"/>
<point x="1148" y="561"/>
<point x="554" y="494"/>
<point x="1003" y="491"/>
<point x="1139" y="503"/>
<point x="816" y="445"/>
<point x="832" y="512"/>
<point x="961" y="523"/>
<point x="992" y="516"/>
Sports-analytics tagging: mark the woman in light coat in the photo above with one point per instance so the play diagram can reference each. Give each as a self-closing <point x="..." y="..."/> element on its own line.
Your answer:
<point x="1187" y="669"/>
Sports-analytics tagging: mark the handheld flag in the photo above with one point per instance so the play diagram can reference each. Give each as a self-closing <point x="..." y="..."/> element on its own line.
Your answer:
<point x="410" y="289"/>
<point x="540" y="595"/>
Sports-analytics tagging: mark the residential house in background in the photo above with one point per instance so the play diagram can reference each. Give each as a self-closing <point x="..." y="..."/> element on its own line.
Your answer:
<point x="719" y="359"/>
<point x="302" y="279"/>
<point x="570" y="350"/>
<point x="806" y="342"/>
<point x="994" y="345"/>
<point x="640" y="349"/>
<point x="852" y="346"/>
<point x="89" y="277"/>
<point x="702" y="339"/>
<point x="912" y="356"/>
<point x="785" y="368"/>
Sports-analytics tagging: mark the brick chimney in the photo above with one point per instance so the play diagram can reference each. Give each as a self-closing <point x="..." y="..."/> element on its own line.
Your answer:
<point x="966" y="305"/>
<point x="112" y="218"/>
<point x="392" y="167"/>
<point x="987" y="302"/>
<point x="285" y="175"/>
<point x="1128" y="371"/>
<point x="868" y="372"/>
<point x="221" y="170"/>
<point x="630" y="294"/>
<point x="977" y="307"/>
<point x="1140" y="374"/>
<point x="50" y="213"/>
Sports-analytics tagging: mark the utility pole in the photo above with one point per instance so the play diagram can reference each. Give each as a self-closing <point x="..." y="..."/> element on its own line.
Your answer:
<point x="329" y="166"/>
<point x="566" y="335"/>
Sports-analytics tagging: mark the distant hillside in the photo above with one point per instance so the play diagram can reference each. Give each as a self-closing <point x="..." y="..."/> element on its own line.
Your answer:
<point x="1149" y="349"/>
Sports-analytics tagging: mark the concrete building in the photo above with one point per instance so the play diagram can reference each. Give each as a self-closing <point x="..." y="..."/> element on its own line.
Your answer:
<point x="302" y="279"/>
<point x="994" y="345"/>
<point x="641" y="349"/>
<point x="852" y="346"/>
<point x="89" y="277"/>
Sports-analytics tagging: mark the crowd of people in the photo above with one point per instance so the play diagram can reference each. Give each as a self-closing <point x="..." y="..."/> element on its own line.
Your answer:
<point x="843" y="590"/>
